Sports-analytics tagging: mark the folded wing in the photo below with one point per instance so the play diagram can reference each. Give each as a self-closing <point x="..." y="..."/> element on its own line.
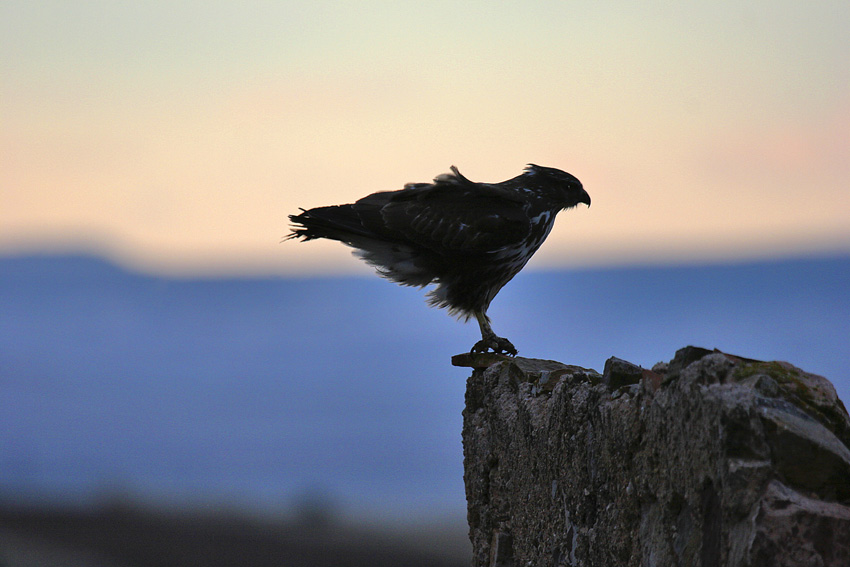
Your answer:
<point x="451" y="215"/>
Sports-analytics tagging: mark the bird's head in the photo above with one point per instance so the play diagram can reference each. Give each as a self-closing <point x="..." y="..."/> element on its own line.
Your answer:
<point x="559" y="186"/>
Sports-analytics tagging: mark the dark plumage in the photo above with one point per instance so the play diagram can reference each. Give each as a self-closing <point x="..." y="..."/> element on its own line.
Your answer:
<point x="468" y="238"/>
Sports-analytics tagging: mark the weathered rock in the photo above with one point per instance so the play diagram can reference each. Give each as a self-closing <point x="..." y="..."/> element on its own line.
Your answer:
<point x="709" y="460"/>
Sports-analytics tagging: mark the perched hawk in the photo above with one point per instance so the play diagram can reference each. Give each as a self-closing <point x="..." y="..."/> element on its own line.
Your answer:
<point x="468" y="238"/>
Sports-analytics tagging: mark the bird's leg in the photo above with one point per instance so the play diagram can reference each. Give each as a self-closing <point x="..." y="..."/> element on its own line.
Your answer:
<point x="489" y="340"/>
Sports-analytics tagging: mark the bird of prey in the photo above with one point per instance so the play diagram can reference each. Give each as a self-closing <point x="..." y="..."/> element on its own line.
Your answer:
<point x="468" y="238"/>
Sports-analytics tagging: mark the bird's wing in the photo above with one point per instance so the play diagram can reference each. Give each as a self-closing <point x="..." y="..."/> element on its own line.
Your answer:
<point x="452" y="214"/>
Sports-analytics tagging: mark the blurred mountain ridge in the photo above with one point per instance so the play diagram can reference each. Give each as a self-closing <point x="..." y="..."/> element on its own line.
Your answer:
<point x="251" y="391"/>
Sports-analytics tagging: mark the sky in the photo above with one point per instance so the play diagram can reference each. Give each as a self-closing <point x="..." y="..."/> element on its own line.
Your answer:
<point x="177" y="136"/>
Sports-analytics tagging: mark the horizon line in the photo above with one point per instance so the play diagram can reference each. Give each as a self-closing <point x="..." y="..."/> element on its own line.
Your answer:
<point x="267" y="269"/>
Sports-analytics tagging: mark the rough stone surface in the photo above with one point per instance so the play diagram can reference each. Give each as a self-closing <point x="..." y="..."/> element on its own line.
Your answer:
<point x="708" y="460"/>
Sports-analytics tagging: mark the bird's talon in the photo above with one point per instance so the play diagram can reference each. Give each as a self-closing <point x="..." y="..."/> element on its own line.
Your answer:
<point x="497" y="344"/>
<point x="505" y="347"/>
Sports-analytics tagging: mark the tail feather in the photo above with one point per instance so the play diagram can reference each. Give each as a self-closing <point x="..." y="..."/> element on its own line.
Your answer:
<point x="338" y="222"/>
<point x="393" y="260"/>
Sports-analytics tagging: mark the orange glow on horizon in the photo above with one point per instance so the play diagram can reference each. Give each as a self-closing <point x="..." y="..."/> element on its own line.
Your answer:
<point x="184" y="147"/>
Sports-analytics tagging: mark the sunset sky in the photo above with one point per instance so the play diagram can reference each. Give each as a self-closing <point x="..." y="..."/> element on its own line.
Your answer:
<point x="178" y="136"/>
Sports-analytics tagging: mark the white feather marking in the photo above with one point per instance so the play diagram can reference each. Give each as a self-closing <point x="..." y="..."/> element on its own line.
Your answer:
<point x="394" y="262"/>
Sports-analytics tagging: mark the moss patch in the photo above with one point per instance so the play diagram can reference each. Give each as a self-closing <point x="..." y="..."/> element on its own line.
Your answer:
<point x="800" y="389"/>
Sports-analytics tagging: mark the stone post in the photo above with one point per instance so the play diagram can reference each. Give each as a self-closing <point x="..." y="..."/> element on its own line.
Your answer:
<point x="709" y="460"/>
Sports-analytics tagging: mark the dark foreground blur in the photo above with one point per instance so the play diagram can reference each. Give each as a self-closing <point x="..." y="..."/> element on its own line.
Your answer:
<point x="125" y="536"/>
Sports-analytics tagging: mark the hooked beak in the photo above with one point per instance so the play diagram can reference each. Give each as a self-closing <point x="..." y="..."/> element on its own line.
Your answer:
<point x="585" y="198"/>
